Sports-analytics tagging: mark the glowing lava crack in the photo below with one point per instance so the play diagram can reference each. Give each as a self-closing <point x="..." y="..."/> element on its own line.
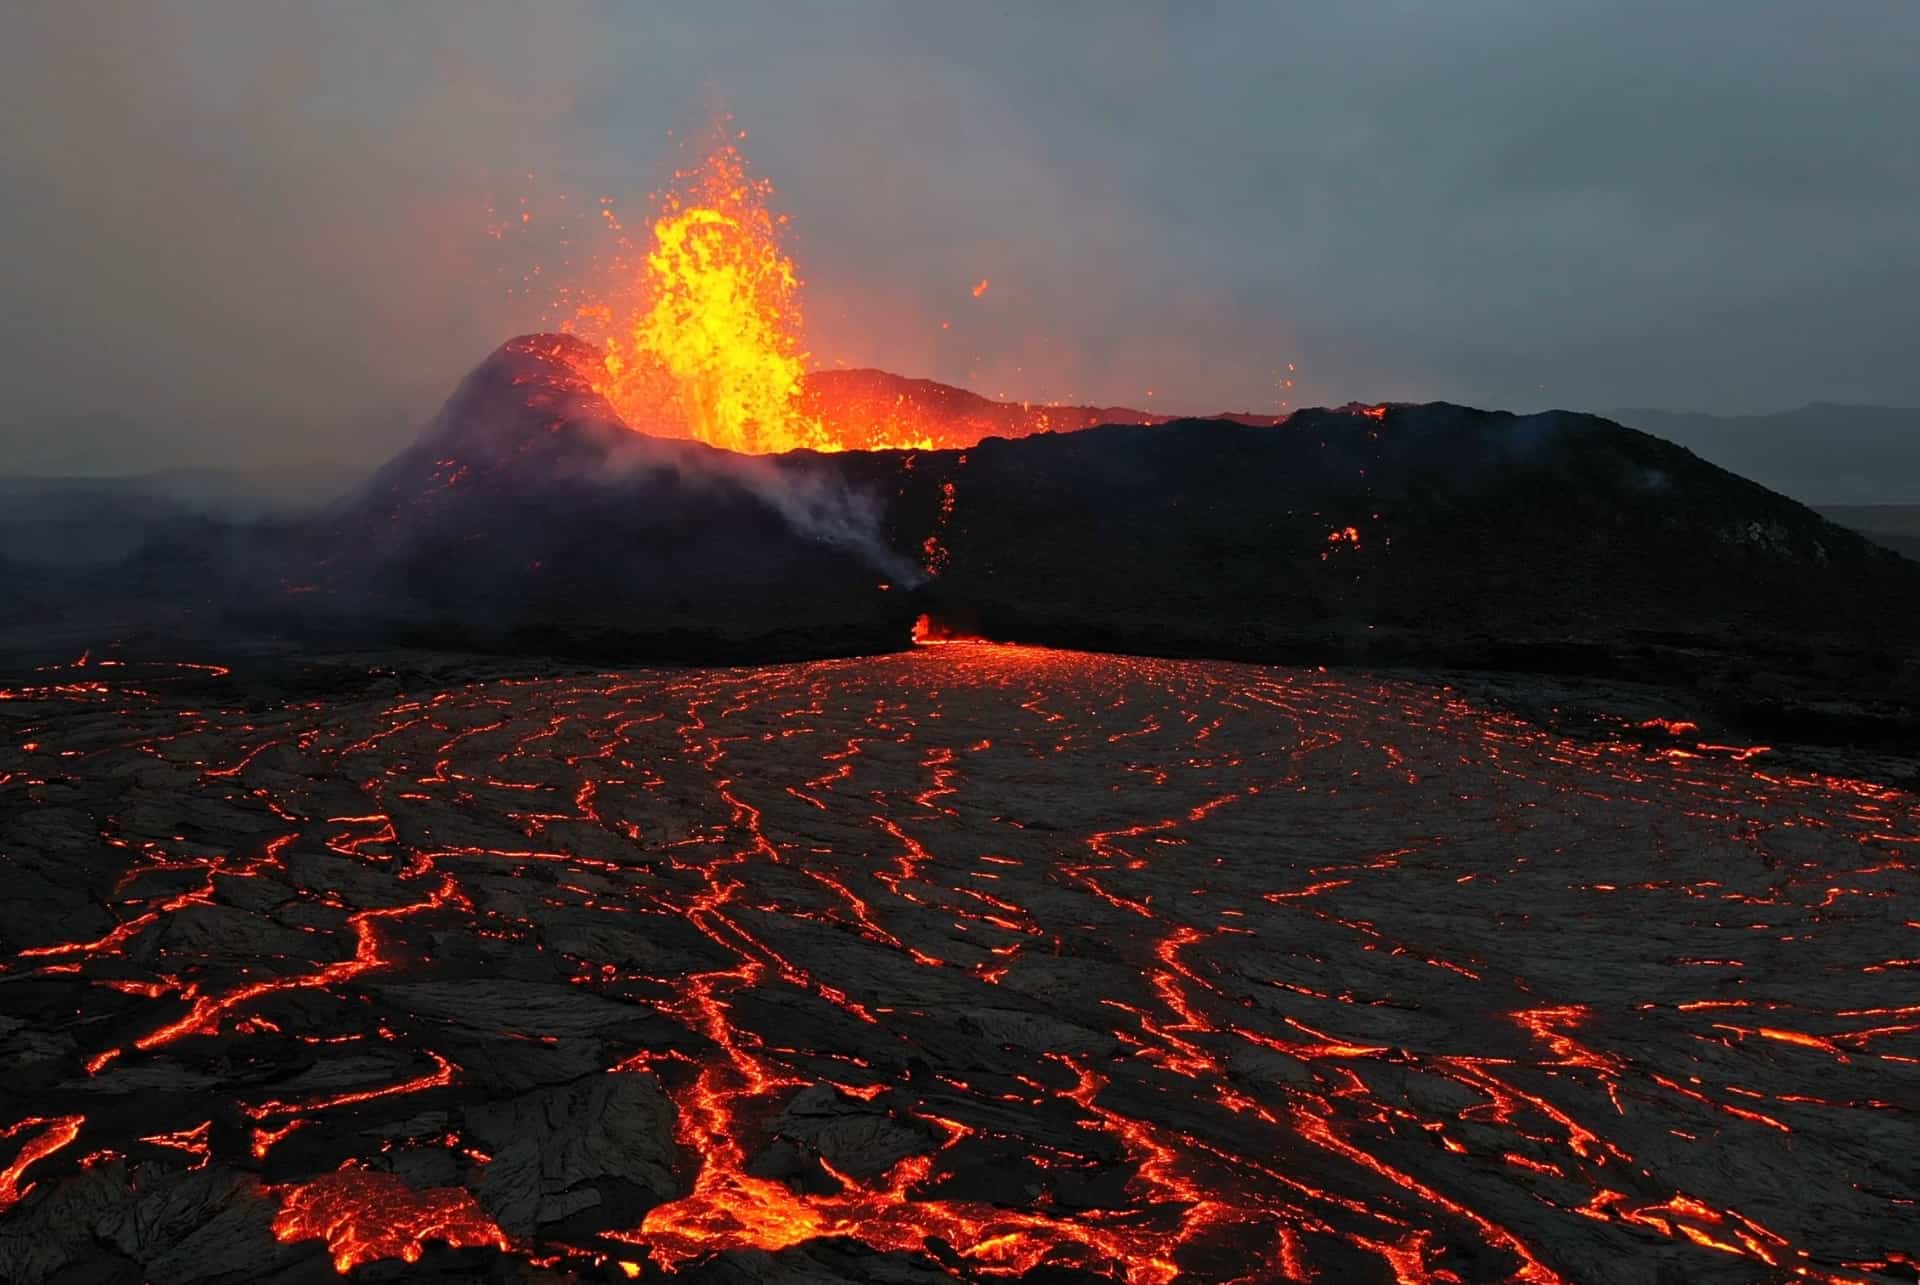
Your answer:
<point x="962" y="963"/>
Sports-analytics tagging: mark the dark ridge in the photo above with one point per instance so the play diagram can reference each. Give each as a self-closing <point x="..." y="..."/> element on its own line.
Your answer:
<point x="527" y="519"/>
<point x="1554" y="544"/>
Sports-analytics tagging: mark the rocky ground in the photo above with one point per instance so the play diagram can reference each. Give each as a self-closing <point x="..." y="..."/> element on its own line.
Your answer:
<point x="969" y="962"/>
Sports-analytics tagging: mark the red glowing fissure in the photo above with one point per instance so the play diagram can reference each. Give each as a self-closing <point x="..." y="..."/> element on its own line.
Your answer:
<point x="979" y="878"/>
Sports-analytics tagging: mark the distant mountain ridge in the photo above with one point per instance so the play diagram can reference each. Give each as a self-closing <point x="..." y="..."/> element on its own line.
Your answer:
<point x="1891" y="526"/>
<point x="1822" y="454"/>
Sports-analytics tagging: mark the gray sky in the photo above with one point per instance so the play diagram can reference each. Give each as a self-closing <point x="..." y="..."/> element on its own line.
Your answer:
<point x="255" y="233"/>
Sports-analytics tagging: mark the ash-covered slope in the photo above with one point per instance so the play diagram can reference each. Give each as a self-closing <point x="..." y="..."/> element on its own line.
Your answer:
<point x="528" y="515"/>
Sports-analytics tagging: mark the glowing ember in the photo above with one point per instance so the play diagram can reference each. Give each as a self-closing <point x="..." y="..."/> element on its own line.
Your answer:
<point x="1346" y="537"/>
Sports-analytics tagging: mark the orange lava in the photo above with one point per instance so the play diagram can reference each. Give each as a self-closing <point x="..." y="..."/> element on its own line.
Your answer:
<point x="1341" y="538"/>
<point x="928" y="631"/>
<point x="193" y="1141"/>
<point x="703" y="334"/>
<point x="707" y="343"/>
<point x="1281" y="1058"/>
<point x="365" y="1215"/>
<point x="52" y="1135"/>
<point x="731" y="1209"/>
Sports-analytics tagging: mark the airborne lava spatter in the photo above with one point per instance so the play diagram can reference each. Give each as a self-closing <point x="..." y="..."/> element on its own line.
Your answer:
<point x="1339" y="979"/>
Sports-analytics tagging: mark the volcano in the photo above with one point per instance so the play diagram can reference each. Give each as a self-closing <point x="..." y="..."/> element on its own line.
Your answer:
<point x="529" y="516"/>
<point x="973" y="961"/>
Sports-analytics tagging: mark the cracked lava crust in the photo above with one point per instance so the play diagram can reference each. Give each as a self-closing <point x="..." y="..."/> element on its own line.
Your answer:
<point x="974" y="962"/>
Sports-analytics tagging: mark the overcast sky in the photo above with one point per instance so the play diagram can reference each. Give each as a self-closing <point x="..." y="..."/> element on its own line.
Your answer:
<point x="256" y="233"/>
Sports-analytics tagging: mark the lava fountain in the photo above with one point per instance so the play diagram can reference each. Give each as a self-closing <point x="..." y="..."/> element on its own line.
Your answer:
<point x="703" y="336"/>
<point x="703" y="332"/>
<point x="706" y="341"/>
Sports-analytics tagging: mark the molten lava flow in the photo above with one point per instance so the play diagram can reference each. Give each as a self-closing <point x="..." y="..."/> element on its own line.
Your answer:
<point x="928" y="631"/>
<point x="997" y="959"/>
<point x="365" y="1215"/>
<point x="43" y="1138"/>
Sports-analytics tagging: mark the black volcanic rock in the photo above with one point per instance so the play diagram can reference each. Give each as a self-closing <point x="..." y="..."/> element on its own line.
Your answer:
<point x="1434" y="518"/>
<point x="1423" y="534"/>
<point x="1430" y="534"/>
<point x="436" y="973"/>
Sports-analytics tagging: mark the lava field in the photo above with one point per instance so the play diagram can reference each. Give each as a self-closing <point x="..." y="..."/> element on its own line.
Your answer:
<point x="973" y="962"/>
